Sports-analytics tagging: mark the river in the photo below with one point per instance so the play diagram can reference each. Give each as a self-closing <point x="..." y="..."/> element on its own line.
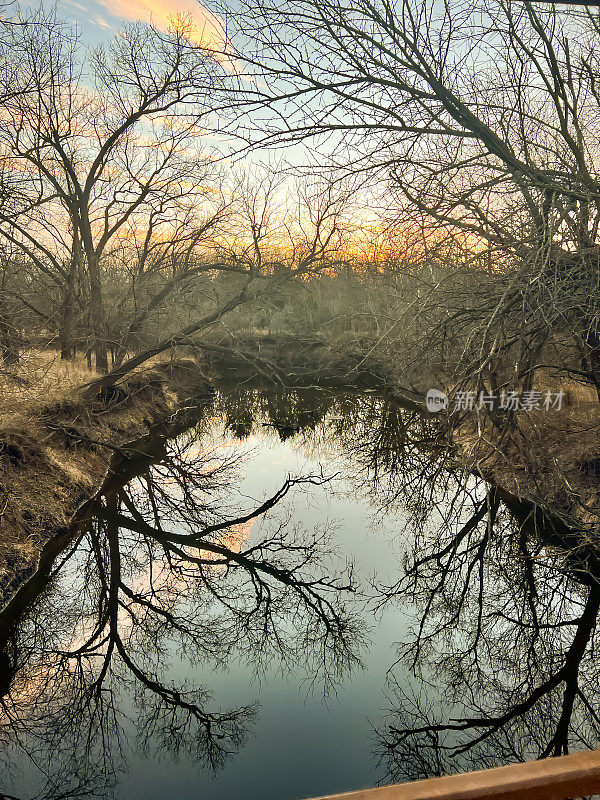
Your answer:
<point x="300" y="595"/>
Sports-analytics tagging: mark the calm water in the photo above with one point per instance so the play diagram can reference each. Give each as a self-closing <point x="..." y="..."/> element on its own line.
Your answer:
<point x="289" y="630"/>
<point x="302" y="743"/>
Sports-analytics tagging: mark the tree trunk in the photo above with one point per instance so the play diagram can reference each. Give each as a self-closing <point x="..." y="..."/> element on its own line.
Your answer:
<point x="120" y="353"/>
<point x="592" y="340"/>
<point x="98" y="316"/>
<point x="9" y="343"/>
<point x="67" y="313"/>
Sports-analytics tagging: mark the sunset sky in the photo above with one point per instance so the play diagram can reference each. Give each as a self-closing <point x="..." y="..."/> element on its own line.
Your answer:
<point x="99" y="18"/>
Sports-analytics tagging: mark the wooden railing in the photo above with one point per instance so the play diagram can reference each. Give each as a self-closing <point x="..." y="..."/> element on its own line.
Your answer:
<point x="572" y="776"/>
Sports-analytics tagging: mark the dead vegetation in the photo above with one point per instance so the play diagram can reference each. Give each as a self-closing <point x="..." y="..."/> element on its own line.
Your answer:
<point x="551" y="458"/>
<point x="55" y="447"/>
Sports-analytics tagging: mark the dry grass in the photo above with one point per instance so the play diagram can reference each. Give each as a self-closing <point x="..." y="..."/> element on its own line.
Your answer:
<point x="551" y="457"/>
<point x="54" y="448"/>
<point x="38" y="376"/>
<point x="575" y="394"/>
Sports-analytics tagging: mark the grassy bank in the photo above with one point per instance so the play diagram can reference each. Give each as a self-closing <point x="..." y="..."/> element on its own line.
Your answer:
<point x="55" y="447"/>
<point x="550" y="458"/>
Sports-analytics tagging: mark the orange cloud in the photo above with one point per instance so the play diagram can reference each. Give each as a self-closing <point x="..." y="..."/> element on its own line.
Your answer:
<point x="207" y="29"/>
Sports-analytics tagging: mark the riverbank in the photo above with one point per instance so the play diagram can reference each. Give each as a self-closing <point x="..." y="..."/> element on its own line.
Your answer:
<point x="550" y="458"/>
<point x="55" y="448"/>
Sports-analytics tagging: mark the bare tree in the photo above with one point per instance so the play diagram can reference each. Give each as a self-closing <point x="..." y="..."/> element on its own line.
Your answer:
<point x="277" y="236"/>
<point x="482" y="121"/>
<point x="94" y="146"/>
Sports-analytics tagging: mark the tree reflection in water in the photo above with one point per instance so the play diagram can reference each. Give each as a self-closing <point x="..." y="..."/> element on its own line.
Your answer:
<point x="164" y="569"/>
<point x="502" y="663"/>
<point x="501" y="666"/>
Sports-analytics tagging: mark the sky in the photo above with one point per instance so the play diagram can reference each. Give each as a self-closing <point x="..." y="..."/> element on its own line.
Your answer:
<point x="99" y="19"/>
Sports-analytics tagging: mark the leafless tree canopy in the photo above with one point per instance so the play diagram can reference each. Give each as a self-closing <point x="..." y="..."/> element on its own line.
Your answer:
<point x="481" y="120"/>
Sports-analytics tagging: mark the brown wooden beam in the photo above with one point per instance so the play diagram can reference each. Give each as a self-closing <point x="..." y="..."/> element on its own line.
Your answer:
<point x="558" y="778"/>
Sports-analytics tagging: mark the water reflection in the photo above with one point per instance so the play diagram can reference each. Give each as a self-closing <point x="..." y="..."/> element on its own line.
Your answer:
<point x="167" y="563"/>
<point x="163" y="565"/>
<point x="502" y="665"/>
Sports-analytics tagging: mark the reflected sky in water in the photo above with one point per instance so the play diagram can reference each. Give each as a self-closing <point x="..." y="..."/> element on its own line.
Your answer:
<point x="378" y="524"/>
<point x="303" y="745"/>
